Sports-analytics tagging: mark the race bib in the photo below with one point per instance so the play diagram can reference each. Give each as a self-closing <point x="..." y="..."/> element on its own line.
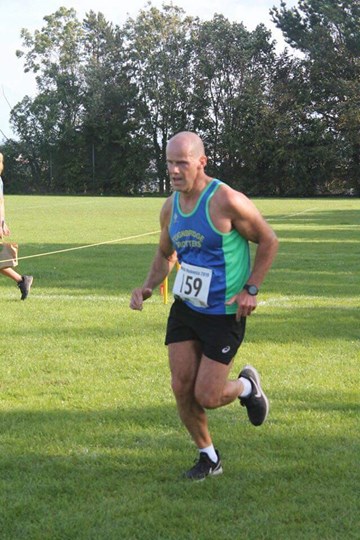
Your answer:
<point x="192" y="283"/>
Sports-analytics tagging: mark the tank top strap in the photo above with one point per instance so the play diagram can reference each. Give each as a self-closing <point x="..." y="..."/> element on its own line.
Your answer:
<point x="201" y="203"/>
<point x="209" y="192"/>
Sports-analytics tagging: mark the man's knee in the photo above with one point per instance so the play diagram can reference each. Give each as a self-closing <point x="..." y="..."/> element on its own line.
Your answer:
<point x="181" y="387"/>
<point x="207" y="400"/>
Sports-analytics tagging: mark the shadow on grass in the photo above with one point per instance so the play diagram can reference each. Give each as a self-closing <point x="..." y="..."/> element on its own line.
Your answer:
<point x="111" y="268"/>
<point x="132" y="440"/>
<point x="117" y="474"/>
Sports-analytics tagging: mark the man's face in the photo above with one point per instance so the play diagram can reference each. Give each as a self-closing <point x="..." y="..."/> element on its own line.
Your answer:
<point x="183" y="167"/>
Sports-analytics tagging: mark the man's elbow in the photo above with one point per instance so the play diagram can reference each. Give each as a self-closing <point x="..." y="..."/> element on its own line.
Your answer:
<point x="172" y="258"/>
<point x="274" y="243"/>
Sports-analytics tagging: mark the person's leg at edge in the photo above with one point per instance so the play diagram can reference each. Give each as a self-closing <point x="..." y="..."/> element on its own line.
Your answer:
<point x="10" y="273"/>
<point x="24" y="282"/>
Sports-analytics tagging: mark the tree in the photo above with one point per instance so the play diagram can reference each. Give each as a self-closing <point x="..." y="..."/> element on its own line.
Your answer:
<point x="231" y="74"/>
<point x="112" y="115"/>
<point x="17" y="173"/>
<point x="327" y="32"/>
<point x="158" y="51"/>
<point x="50" y="120"/>
<point x="109" y="98"/>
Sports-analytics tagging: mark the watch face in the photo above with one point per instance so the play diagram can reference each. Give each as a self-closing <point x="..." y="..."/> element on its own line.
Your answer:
<point x="252" y="289"/>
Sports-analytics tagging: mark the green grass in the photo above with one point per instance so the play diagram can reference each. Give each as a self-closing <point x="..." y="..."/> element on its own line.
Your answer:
<point x="90" y="443"/>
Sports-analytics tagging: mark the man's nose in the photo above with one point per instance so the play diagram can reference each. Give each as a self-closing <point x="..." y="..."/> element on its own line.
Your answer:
<point x="173" y="168"/>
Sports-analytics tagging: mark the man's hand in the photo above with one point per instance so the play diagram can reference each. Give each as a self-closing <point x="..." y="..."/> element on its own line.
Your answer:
<point x="138" y="296"/>
<point x="246" y="304"/>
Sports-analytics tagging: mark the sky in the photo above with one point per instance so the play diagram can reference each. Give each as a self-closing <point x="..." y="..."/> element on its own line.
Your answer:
<point x="29" y="14"/>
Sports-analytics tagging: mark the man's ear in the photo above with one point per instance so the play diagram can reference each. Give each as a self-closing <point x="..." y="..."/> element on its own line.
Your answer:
<point x="203" y="161"/>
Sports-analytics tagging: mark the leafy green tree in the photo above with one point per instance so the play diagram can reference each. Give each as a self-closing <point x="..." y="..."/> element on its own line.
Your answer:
<point x="288" y="148"/>
<point x="232" y="73"/>
<point x="159" y="53"/>
<point x="112" y="114"/>
<point x="109" y="98"/>
<point x="49" y="121"/>
<point x="17" y="173"/>
<point x="327" y="32"/>
<point x="35" y="121"/>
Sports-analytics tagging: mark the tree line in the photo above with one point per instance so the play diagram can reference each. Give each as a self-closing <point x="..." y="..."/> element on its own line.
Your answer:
<point x="109" y="97"/>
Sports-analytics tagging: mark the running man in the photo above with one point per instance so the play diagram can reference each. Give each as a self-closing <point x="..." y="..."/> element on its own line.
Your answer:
<point x="207" y="226"/>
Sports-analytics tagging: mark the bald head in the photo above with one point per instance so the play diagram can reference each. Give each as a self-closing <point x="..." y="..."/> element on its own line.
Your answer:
<point x="188" y="142"/>
<point x="186" y="162"/>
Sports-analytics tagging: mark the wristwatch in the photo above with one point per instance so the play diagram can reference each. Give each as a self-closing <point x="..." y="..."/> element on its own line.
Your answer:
<point x="251" y="289"/>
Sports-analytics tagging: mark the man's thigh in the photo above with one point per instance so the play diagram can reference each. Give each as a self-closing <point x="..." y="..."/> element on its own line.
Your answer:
<point x="211" y="379"/>
<point x="184" y="359"/>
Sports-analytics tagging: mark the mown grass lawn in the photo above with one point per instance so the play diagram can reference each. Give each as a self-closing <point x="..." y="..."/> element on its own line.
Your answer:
<point x="90" y="443"/>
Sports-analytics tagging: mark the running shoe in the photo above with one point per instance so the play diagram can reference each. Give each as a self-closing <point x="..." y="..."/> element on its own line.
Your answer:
<point x="25" y="285"/>
<point x="204" y="467"/>
<point x="257" y="404"/>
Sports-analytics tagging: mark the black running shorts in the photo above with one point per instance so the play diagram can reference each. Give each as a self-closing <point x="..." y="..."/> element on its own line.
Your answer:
<point x="220" y="335"/>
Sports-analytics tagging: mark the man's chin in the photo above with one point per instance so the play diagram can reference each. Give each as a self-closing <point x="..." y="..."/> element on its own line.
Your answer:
<point x="178" y="186"/>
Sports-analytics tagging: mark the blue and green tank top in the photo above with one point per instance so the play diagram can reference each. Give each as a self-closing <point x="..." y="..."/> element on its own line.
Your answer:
<point x="199" y="243"/>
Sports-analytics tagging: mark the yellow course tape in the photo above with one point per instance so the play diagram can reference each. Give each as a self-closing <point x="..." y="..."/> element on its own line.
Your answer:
<point x="86" y="246"/>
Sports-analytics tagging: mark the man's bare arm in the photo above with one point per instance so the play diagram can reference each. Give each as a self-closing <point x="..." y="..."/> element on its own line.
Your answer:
<point x="248" y="221"/>
<point x="162" y="264"/>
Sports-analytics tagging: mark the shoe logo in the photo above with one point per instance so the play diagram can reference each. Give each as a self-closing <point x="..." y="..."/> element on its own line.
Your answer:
<point x="225" y="349"/>
<point x="258" y="393"/>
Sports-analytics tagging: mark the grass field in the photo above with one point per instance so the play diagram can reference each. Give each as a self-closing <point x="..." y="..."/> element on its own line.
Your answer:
<point x="90" y="443"/>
